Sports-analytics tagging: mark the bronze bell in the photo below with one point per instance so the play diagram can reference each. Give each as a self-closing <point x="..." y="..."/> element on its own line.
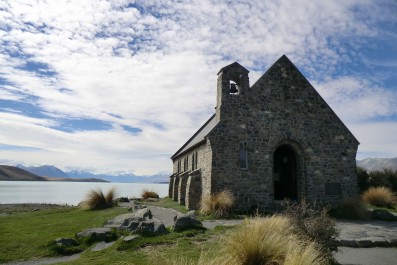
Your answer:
<point x="233" y="89"/>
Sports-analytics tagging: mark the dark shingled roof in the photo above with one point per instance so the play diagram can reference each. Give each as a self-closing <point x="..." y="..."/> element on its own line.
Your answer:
<point x="198" y="137"/>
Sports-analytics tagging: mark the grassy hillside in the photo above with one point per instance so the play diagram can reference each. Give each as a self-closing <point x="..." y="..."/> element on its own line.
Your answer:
<point x="10" y="173"/>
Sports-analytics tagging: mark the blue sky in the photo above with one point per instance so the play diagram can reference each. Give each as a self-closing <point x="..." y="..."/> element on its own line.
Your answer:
<point x="119" y="86"/>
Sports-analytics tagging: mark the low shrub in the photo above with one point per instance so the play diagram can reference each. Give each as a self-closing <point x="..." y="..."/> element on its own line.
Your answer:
<point x="379" y="178"/>
<point x="146" y="194"/>
<point x="352" y="208"/>
<point x="122" y="199"/>
<point x="218" y="205"/>
<point x="362" y="179"/>
<point x="268" y="240"/>
<point x="380" y="197"/>
<point x="313" y="224"/>
<point x="96" y="200"/>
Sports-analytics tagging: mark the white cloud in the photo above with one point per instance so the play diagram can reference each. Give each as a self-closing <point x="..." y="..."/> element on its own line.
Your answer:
<point x="356" y="99"/>
<point x="378" y="138"/>
<point x="154" y="68"/>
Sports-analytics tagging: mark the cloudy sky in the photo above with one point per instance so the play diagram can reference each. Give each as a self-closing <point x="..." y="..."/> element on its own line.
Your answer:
<point x="119" y="86"/>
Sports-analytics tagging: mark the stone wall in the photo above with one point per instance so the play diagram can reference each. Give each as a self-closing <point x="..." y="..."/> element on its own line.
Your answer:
<point x="281" y="108"/>
<point x="188" y="186"/>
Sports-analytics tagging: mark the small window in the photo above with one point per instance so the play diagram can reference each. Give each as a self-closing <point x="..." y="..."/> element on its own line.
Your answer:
<point x="179" y="166"/>
<point x="193" y="161"/>
<point x="243" y="158"/>
<point x="185" y="163"/>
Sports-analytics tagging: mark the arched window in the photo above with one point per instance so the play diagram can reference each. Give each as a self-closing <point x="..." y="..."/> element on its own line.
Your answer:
<point x="243" y="158"/>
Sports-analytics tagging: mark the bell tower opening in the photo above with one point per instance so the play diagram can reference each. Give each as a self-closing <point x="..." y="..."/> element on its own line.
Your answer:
<point x="285" y="173"/>
<point x="233" y="88"/>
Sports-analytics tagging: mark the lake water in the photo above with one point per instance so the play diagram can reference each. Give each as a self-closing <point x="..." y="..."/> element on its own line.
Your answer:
<point x="70" y="193"/>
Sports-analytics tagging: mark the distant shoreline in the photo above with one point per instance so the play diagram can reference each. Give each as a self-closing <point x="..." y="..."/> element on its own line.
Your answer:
<point x="76" y="180"/>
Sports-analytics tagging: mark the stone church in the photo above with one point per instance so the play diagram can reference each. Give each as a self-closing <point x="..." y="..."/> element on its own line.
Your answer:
<point x="273" y="140"/>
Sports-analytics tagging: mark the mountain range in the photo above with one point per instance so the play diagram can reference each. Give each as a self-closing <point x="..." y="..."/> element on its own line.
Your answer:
<point x="54" y="172"/>
<point x="10" y="173"/>
<point x="375" y="164"/>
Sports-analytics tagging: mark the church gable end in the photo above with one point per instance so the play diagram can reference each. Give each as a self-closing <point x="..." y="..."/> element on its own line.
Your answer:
<point x="277" y="139"/>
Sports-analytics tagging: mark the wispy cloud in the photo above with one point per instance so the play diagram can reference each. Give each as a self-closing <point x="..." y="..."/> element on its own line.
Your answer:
<point x="147" y="70"/>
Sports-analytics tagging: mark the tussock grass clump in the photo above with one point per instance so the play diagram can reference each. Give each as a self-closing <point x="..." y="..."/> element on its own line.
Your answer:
<point x="352" y="208"/>
<point x="96" y="200"/>
<point x="218" y="205"/>
<point x="313" y="224"/>
<point x="146" y="194"/>
<point x="266" y="241"/>
<point x="380" y="197"/>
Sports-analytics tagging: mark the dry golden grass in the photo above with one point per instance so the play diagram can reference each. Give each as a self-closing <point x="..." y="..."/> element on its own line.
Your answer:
<point x="380" y="197"/>
<point x="96" y="200"/>
<point x="218" y="204"/>
<point x="269" y="241"/>
<point x="146" y="194"/>
<point x="259" y="241"/>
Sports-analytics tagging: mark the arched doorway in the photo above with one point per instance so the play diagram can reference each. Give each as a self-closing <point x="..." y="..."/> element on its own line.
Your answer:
<point x="284" y="173"/>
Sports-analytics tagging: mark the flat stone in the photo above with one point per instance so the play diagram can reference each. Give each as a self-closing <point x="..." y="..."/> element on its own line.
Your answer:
<point x="364" y="243"/>
<point x="67" y="242"/>
<point x="101" y="233"/>
<point x="144" y="213"/>
<point x="102" y="245"/>
<point x="130" y="238"/>
<point x="119" y="220"/>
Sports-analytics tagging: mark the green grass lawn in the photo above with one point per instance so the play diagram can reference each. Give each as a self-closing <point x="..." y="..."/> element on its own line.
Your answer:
<point x="27" y="236"/>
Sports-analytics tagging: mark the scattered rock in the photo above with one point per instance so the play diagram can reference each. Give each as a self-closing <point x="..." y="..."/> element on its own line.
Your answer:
<point x="383" y="215"/>
<point x="192" y="213"/>
<point x="101" y="246"/>
<point x="100" y="233"/>
<point x="144" y="213"/>
<point x="184" y="221"/>
<point x="66" y="242"/>
<point x="130" y="238"/>
<point x="152" y="199"/>
<point x="119" y="220"/>
<point x="131" y="224"/>
<point x="152" y="227"/>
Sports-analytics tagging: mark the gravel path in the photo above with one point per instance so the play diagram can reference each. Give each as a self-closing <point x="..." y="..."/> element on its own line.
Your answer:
<point x="46" y="261"/>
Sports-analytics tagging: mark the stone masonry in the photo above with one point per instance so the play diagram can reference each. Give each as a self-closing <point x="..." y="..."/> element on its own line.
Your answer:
<point x="276" y="139"/>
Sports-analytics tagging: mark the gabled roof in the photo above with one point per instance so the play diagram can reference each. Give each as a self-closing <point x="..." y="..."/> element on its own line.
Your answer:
<point x="198" y="137"/>
<point x="235" y="64"/>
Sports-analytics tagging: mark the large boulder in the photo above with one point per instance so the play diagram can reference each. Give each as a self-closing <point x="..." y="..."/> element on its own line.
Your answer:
<point x="383" y="215"/>
<point x="185" y="221"/>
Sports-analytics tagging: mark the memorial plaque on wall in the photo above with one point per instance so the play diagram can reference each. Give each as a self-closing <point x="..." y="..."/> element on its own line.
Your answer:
<point x="333" y="189"/>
